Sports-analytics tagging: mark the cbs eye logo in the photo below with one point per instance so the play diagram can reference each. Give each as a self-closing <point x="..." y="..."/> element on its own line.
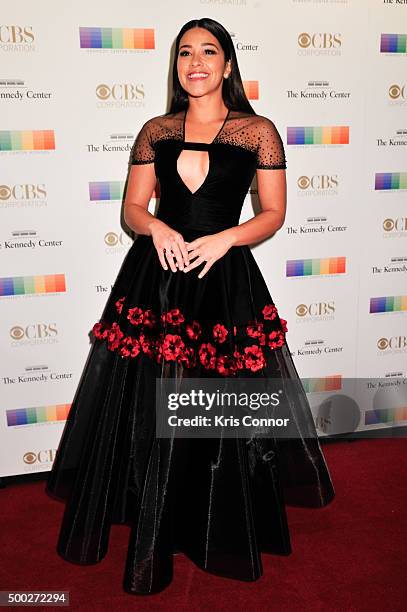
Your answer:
<point x="5" y="192"/>
<point x="301" y="310"/>
<point x="112" y="239"/>
<point x="30" y="457"/>
<point x="397" y="91"/>
<point x="103" y="92"/>
<point x="303" y="182"/>
<point x="304" y="40"/>
<point x="17" y="332"/>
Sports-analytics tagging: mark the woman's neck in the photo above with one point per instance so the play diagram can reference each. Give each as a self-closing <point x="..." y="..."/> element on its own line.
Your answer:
<point x="206" y="109"/>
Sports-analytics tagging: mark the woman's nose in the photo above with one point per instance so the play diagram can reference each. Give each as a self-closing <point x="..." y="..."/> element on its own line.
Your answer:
<point x="195" y="59"/>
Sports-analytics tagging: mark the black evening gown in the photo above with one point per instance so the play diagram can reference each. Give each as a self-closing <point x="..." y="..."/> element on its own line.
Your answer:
<point x="222" y="502"/>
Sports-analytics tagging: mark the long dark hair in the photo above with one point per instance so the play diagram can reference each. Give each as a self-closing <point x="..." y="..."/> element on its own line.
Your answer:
<point x="233" y="92"/>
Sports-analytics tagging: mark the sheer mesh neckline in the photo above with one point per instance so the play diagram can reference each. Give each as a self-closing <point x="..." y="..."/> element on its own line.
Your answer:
<point x="201" y="141"/>
<point x="251" y="132"/>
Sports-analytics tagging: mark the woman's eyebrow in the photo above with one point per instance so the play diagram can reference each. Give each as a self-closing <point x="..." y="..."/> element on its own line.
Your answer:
<point x="202" y="44"/>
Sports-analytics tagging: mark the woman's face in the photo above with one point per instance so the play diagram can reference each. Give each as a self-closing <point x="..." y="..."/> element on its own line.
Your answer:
<point x="201" y="62"/>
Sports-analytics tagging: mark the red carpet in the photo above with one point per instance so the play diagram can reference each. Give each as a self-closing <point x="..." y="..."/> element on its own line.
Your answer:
<point x="348" y="556"/>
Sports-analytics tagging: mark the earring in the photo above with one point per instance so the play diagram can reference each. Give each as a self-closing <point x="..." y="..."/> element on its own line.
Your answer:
<point x="225" y="76"/>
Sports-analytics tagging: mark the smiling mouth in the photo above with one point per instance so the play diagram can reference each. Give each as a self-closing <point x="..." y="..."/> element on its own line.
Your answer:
<point x="195" y="76"/>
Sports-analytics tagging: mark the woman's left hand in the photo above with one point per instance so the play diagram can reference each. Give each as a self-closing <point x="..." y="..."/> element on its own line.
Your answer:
<point x="207" y="249"/>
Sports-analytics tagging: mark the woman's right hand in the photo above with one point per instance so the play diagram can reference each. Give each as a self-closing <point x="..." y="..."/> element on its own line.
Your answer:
<point x="169" y="244"/>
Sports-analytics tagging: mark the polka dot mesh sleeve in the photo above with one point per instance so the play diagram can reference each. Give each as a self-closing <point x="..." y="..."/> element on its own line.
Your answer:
<point x="270" y="150"/>
<point x="143" y="149"/>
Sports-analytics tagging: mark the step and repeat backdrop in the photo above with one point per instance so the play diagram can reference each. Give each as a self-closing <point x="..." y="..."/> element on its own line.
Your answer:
<point x="78" y="81"/>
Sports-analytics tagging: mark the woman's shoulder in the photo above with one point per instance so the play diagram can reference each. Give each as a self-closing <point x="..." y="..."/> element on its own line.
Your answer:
<point x="259" y="121"/>
<point x="252" y="126"/>
<point x="167" y="121"/>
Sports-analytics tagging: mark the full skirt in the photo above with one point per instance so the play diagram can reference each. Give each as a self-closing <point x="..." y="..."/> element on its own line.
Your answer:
<point x="221" y="501"/>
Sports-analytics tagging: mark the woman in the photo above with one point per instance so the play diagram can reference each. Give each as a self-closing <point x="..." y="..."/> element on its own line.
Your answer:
<point x="189" y="301"/>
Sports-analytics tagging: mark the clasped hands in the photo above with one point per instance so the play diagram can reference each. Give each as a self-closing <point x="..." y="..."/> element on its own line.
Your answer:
<point x="185" y="256"/>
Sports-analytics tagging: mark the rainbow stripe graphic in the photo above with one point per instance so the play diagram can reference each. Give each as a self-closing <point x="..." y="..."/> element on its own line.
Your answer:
<point x="251" y="89"/>
<point x="39" y="414"/>
<point x="393" y="43"/>
<point x="27" y="140"/>
<point x="385" y="415"/>
<point x="390" y="303"/>
<point x="117" y="38"/>
<point x="106" y="190"/>
<point x="323" y="383"/>
<point x="23" y="285"/>
<point x="390" y="180"/>
<point x="328" y="134"/>
<point x="311" y="267"/>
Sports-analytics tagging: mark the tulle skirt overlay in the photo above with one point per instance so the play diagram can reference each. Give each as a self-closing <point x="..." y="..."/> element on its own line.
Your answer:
<point x="220" y="501"/>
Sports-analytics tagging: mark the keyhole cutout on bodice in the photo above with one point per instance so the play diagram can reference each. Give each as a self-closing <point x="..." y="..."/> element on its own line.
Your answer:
<point x="193" y="168"/>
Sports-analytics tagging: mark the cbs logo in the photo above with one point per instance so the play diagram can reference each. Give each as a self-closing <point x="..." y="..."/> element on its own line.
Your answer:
<point x="22" y="192"/>
<point x="37" y="331"/>
<point x="399" y="224"/>
<point x="315" y="309"/>
<point x="323" y="40"/>
<point x="16" y="34"/>
<point x="43" y="456"/>
<point x="321" y="181"/>
<point x="395" y="342"/>
<point x="120" y="91"/>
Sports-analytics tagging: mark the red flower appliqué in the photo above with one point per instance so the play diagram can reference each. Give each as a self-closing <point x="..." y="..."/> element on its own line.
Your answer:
<point x="135" y="316"/>
<point x="193" y="330"/>
<point x="188" y="358"/>
<point x="219" y="333"/>
<point x="114" y="337"/>
<point x="269" y="312"/>
<point x="275" y="339"/>
<point x="207" y="355"/>
<point x="226" y="365"/>
<point x="255" y="330"/>
<point x="147" y="345"/>
<point x="192" y="343"/>
<point x="238" y="359"/>
<point x="130" y="347"/>
<point x="254" y="358"/>
<point x="99" y="331"/>
<point x="173" y="346"/>
<point x="174" y="317"/>
<point x="119" y="304"/>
